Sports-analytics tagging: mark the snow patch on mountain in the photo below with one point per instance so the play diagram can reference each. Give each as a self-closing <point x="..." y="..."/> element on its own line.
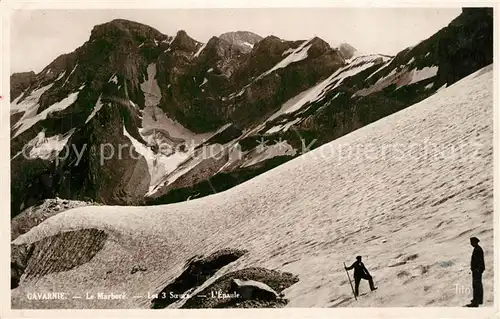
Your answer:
<point x="96" y="109"/>
<point x="60" y="76"/>
<point x="14" y="103"/>
<point x="423" y="74"/>
<point x="353" y="70"/>
<point x="400" y="77"/>
<point x="168" y="40"/>
<point x="265" y="152"/>
<point x="274" y="129"/>
<point x="150" y="88"/>
<point x="195" y="156"/>
<point x="71" y="73"/>
<point x="30" y="102"/>
<point x="297" y="102"/>
<point x="204" y="82"/>
<point x="31" y="118"/>
<point x="386" y="64"/>
<point x="235" y="154"/>
<point x="318" y="91"/>
<point x="193" y="159"/>
<point x="288" y="51"/>
<point x="114" y="79"/>
<point x="159" y="164"/>
<point x="155" y="118"/>
<point x="200" y="50"/>
<point x="366" y="58"/>
<point x="47" y="148"/>
<point x="283" y="127"/>
<point x="296" y="55"/>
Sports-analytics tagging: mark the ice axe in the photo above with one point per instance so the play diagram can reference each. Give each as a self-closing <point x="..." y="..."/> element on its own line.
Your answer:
<point x="350" y="282"/>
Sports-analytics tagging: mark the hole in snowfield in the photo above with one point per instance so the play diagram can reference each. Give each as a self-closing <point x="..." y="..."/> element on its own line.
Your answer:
<point x="253" y="287"/>
<point x="197" y="270"/>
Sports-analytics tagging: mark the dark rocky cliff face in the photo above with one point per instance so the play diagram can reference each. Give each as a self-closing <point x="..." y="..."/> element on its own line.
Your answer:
<point x="244" y="41"/>
<point x="20" y="82"/>
<point x="130" y="85"/>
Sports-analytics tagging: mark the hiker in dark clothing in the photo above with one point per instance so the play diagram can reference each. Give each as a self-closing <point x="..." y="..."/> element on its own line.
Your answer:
<point x="477" y="268"/>
<point x="360" y="272"/>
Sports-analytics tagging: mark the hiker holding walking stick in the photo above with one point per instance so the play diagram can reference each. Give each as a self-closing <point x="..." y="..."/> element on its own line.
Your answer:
<point x="360" y="272"/>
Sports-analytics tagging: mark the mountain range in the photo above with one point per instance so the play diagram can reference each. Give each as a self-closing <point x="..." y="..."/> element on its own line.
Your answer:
<point x="199" y="118"/>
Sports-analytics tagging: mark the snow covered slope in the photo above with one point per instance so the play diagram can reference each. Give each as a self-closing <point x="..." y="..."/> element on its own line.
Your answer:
<point x="406" y="192"/>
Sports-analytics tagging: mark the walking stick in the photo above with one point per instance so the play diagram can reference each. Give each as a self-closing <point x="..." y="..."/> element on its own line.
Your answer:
<point x="350" y="282"/>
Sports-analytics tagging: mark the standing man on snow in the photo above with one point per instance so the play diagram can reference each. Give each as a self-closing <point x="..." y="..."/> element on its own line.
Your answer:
<point x="477" y="268"/>
<point x="360" y="272"/>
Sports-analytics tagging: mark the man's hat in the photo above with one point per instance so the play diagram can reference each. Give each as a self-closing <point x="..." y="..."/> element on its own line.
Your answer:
<point x="474" y="239"/>
<point x="358" y="257"/>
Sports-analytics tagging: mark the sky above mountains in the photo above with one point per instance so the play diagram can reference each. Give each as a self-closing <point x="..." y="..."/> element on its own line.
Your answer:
<point x="50" y="33"/>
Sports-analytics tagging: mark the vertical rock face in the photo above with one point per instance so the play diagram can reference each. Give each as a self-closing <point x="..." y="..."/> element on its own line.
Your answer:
<point x="466" y="45"/>
<point x="165" y="99"/>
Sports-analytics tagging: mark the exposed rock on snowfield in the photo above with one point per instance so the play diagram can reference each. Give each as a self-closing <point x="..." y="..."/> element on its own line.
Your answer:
<point x="259" y="291"/>
<point x="198" y="270"/>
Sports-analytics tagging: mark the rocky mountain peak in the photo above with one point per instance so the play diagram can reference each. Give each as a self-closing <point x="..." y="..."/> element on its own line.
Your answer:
<point x="270" y="44"/>
<point x="243" y="40"/>
<point x="318" y="46"/>
<point x="347" y="50"/>
<point x="184" y="42"/>
<point x="120" y="28"/>
<point x="20" y="82"/>
<point x="220" y="47"/>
